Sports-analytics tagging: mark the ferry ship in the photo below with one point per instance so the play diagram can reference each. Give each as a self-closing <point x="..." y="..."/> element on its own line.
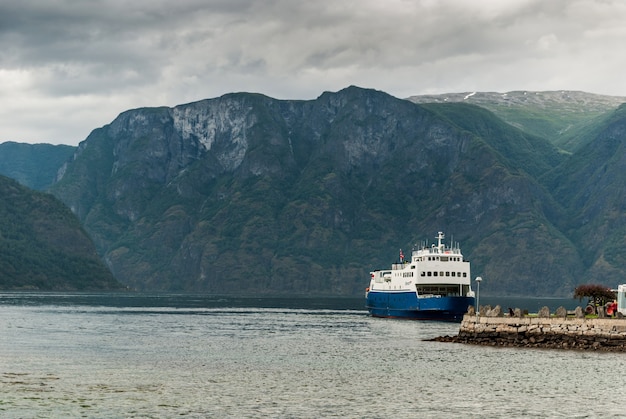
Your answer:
<point x="435" y="284"/>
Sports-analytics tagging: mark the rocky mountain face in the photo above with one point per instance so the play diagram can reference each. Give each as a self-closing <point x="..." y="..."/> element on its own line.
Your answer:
<point x="248" y="194"/>
<point x="43" y="247"/>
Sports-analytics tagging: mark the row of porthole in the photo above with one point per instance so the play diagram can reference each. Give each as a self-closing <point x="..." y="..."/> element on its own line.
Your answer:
<point x="429" y="273"/>
<point x="459" y="274"/>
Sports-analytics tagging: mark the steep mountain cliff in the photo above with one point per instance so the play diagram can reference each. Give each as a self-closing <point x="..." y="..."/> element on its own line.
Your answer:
<point x="42" y="245"/>
<point x="245" y="193"/>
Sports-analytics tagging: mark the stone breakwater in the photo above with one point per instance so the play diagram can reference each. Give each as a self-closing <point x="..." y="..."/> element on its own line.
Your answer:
<point x="562" y="332"/>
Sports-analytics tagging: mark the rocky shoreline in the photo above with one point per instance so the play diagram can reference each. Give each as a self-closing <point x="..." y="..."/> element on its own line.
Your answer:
<point x="561" y="330"/>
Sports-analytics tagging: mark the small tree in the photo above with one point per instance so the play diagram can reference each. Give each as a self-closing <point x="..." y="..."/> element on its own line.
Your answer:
<point x="598" y="294"/>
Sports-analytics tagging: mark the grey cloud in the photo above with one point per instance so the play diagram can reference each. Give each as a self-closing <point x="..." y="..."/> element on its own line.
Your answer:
<point x="113" y="55"/>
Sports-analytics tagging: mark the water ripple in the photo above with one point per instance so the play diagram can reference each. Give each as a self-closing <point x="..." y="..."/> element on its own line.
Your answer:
<point x="100" y="360"/>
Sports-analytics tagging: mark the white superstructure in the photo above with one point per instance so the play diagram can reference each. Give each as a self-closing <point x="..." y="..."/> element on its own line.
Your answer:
<point x="621" y="298"/>
<point x="434" y="271"/>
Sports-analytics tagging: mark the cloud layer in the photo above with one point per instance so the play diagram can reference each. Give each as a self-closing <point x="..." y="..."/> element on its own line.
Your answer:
<point x="67" y="67"/>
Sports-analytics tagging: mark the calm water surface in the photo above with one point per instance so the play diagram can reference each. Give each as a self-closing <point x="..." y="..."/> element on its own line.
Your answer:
<point x="125" y="356"/>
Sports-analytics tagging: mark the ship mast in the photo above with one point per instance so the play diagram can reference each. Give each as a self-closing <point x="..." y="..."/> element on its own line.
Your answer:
<point x="440" y="245"/>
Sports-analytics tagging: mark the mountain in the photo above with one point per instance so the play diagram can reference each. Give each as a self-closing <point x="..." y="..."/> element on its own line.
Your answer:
<point x="33" y="165"/>
<point x="249" y="194"/>
<point x="591" y="186"/>
<point x="43" y="247"/>
<point x="564" y="117"/>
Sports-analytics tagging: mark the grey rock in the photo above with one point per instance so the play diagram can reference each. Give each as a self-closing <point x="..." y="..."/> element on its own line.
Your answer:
<point x="579" y="313"/>
<point x="544" y="312"/>
<point x="495" y="312"/>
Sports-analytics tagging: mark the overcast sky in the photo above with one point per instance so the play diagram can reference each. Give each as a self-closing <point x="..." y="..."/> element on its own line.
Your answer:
<point x="70" y="66"/>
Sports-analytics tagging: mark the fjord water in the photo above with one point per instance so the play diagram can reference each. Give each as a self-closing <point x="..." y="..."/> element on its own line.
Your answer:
<point x="136" y="355"/>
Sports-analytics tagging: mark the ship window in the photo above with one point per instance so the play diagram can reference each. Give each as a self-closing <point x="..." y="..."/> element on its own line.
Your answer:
<point x="422" y="273"/>
<point x="464" y="274"/>
<point x="447" y="273"/>
<point x="442" y="290"/>
<point x="440" y="273"/>
<point x="435" y="273"/>
<point x="453" y="273"/>
<point x="430" y="273"/>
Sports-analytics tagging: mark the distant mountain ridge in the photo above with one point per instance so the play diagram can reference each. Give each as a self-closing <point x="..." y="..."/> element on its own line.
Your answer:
<point x="558" y="116"/>
<point x="33" y="165"/>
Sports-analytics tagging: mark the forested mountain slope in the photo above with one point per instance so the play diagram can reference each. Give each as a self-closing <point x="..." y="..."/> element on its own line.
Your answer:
<point x="43" y="247"/>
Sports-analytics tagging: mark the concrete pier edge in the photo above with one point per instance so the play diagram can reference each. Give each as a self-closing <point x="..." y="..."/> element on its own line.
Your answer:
<point x="544" y="330"/>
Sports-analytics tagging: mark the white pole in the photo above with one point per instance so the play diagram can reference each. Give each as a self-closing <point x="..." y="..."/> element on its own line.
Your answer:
<point x="478" y="280"/>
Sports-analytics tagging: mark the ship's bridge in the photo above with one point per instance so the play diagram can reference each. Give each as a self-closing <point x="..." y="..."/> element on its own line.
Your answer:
<point x="437" y="252"/>
<point x="433" y="253"/>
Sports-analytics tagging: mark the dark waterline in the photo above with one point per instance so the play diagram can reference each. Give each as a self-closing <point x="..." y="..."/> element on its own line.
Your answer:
<point x="175" y="300"/>
<point x="192" y="301"/>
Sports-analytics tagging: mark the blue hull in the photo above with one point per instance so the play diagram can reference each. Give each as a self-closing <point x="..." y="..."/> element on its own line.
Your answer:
<point x="407" y="305"/>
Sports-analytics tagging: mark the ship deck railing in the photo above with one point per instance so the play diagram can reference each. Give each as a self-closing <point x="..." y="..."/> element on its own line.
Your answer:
<point x="435" y="250"/>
